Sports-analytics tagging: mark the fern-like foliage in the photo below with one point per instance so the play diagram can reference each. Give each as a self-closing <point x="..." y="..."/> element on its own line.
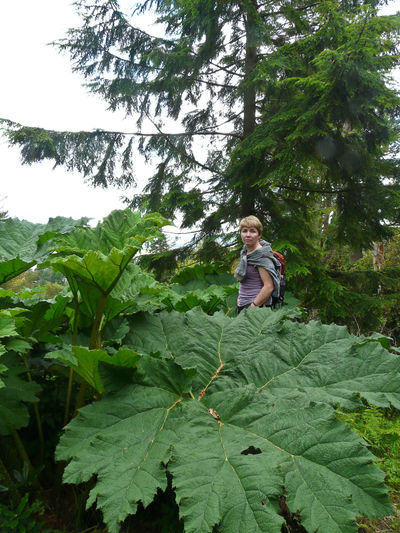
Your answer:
<point x="381" y="429"/>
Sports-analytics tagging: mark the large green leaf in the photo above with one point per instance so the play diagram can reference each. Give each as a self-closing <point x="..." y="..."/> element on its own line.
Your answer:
<point x="45" y="318"/>
<point x="256" y="415"/>
<point x="209" y="286"/>
<point x="322" y="362"/>
<point x="210" y="299"/>
<point x="158" y="333"/>
<point x="120" y="230"/>
<point x="258" y="446"/>
<point x="7" y="325"/>
<point x="201" y="277"/>
<point x="137" y="472"/>
<point x="94" y="259"/>
<point x="13" y="396"/>
<point x="10" y="339"/>
<point x="85" y="362"/>
<point x="137" y="291"/>
<point x="23" y="244"/>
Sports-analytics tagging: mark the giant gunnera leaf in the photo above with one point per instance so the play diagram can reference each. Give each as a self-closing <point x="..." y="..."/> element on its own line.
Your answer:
<point x="94" y="259"/>
<point x="240" y="412"/>
<point x="23" y="244"/>
<point x="15" y="394"/>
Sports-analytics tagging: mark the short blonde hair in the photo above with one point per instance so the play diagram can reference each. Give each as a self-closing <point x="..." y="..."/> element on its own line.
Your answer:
<point x="251" y="222"/>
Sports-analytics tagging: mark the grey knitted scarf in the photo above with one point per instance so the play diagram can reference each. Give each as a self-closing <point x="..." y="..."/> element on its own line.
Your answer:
<point x="261" y="257"/>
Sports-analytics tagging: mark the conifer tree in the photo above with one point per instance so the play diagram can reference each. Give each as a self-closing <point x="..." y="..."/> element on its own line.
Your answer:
<point x="248" y="106"/>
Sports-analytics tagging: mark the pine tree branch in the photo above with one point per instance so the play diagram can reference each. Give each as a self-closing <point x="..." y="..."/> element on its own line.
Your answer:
<point x="224" y="69"/>
<point x="129" y="62"/>
<point x="169" y="42"/>
<point x="10" y="123"/>
<point x="215" y="84"/>
<point x="125" y="21"/>
<point x="181" y="232"/>
<point x="159" y="69"/>
<point x="318" y="191"/>
<point x="206" y="128"/>
<point x="172" y="42"/>
<point x="185" y="155"/>
<point x="280" y="12"/>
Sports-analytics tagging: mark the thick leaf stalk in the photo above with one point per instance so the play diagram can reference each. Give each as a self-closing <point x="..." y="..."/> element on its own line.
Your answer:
<point x="10" y="484"/>
<point x="71" y="371"/>
<point x="94" y="259"/>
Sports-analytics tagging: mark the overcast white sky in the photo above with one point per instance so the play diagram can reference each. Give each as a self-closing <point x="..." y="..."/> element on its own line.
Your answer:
<point x="38" y="88"/>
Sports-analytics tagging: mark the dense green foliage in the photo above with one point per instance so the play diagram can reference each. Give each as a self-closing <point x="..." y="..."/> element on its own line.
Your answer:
<point x="356" y="293"/>
<point x="22" y="518"/>
<point x="286" y="110"/>
<point x="235" y="416"/>
<point x="381" y="429"/>
<point x="284" y="107"/>
<point x="210" y="421"/>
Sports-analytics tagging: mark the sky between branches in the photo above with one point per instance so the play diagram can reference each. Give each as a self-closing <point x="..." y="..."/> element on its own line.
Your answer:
<point x="38" y="88"/>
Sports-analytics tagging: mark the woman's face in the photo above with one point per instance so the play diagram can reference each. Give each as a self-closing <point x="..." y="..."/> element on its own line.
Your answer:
<point x="250" y="236"/>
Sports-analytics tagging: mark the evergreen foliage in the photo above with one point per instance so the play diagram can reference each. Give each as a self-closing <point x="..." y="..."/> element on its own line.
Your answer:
<point x="282" y="105"/>
<point x="364" y="298"/>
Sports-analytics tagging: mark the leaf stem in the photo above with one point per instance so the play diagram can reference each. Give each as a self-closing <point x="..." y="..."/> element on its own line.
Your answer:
<point x="37" y="415"/>
<point x="24" y="455"/>
<point x="10" y="484"/>
<point x="95" y="336"/>
<point x="71" y="372"/>
<point x="81" y="396"/>
<point x="68" y="398"/>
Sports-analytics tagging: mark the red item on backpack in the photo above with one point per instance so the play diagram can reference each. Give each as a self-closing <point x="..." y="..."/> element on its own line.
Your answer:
<point x="281" y="259"/>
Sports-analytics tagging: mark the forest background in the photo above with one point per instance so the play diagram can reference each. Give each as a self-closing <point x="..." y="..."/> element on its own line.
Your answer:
<point x="358" y="218"/>
<point x="288" y="111"/>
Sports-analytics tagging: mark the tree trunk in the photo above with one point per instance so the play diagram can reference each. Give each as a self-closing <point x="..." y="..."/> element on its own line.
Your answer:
<point x="378" y="255"/>
<point x="247" y="200"/>
<point x="355" y="255"/>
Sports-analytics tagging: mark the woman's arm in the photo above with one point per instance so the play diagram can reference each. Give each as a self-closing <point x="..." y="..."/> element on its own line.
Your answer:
<point x="267" y="289"/>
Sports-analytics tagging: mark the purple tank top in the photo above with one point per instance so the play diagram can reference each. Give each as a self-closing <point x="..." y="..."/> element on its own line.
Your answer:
<point x="250" y="286"/>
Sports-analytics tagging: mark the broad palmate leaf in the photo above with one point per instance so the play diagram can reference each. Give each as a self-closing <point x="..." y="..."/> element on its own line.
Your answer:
<point x="94" y="259"/>
<point x="86" y="362"/>
<point x="23" y="244"/>
<point x="241" y="413"/>
<point x="10" y="340"/>
<point x="14" y="395"/>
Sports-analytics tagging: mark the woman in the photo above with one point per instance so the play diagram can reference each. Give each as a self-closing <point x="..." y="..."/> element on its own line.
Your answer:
<point x="257" y="269"/>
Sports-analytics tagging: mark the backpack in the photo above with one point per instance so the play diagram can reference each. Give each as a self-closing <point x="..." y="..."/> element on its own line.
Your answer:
<point x="278" y="298"/>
